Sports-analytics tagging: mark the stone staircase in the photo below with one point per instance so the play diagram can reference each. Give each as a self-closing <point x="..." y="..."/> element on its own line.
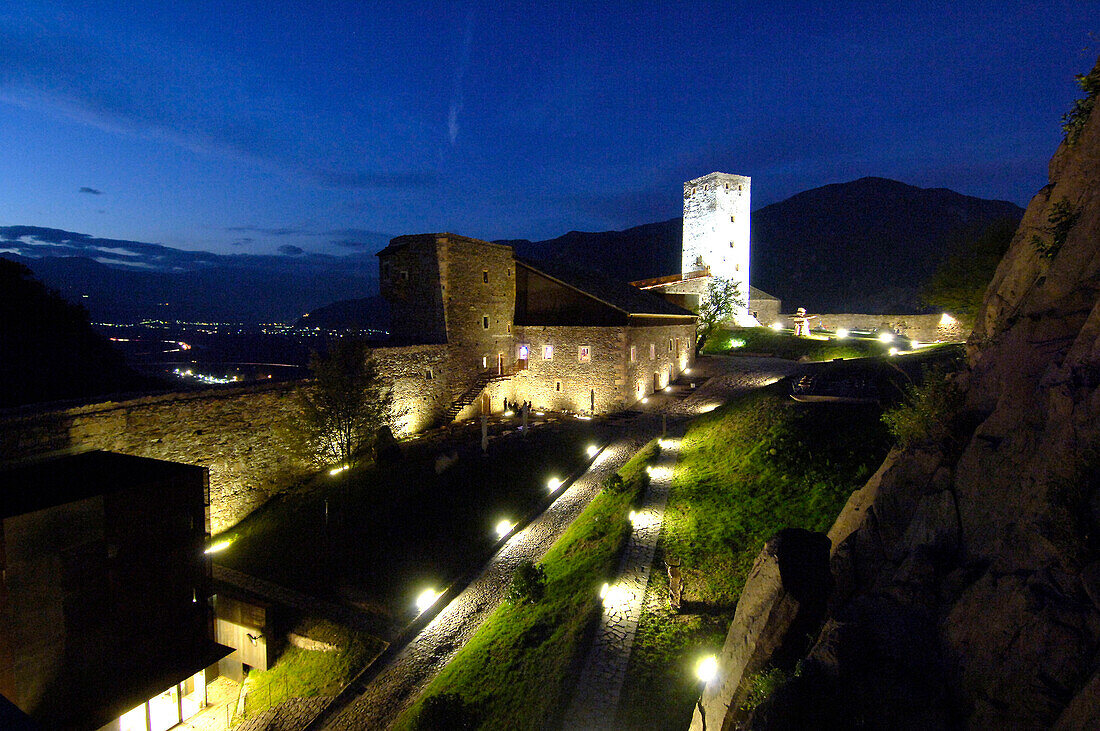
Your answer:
<point x="470" y="395"/>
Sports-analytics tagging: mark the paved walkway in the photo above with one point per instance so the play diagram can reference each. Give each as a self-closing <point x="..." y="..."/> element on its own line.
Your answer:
<point x="601" y="680"/>
<point x="382" y="698"/>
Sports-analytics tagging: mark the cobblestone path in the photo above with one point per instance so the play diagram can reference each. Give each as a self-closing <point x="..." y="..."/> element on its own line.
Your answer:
<point x="597" y="694"/>
<point x="398" y="684"/>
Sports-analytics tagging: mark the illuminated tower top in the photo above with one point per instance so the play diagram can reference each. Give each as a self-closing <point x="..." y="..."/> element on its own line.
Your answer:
<point x="716" y="228"/>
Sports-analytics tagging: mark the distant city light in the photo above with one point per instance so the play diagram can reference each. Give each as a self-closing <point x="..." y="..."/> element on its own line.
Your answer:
<point x="426" y="599"/>
<point x="219" y="546"/>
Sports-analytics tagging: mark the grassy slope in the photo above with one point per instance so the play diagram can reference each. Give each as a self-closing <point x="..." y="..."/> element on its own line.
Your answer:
<point x="785" y="345"/>
<point x="520" y="666"/>
<point x="306" y="673"/>
<point x="746" y="470"/>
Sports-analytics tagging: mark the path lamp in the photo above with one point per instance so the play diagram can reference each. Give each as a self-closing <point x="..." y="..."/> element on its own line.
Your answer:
<point x="504" y="528"/>
<point x="706" y="670"/>
<point x="553" y="484"/>
<point x="592" y="449"/>
<point x="425" y="599"/>
<point x="841" y="333"/>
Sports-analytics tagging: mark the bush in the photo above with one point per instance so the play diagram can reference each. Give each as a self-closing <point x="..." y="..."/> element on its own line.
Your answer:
<point x="528" y="584"/>
<point x="762" y="685"/>
<point x="1073" y="121"/>
<point x="615" y="483"/>
<point x="446" y="711"/>
<point x="927" y="412"/>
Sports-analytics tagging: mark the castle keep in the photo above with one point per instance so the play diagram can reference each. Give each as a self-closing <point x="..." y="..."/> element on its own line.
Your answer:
<point x="511" y="329"/>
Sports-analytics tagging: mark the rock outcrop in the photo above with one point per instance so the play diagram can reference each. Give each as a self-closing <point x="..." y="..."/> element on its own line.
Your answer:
<point x="968" y="571"/>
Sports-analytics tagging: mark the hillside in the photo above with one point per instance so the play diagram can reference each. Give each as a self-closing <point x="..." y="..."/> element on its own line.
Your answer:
<point x="809" y="249"/>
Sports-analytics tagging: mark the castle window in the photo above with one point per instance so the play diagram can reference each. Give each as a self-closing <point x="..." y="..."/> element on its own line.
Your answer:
<point x="727" y="186"/>
<point x="677" y="346"/>
<point x="557" y="385"/>
<point x="404" y="275"/>
<point x="484" y="361"/>
<point x="733" y="219"/>
<point x="652" y="351"/>
<point x="548" y="352"/>
<point x="485" y="276"/>
<point x="739" y="187"/>
<point x="731" y="244"/>
<point x="485" y="321"/>
<point x="584" y="354"/>
<point x="633" y="353"/>
<point x="428" y="374"/>
<point x="509" y="328"/>
<point x="670" y="345"/>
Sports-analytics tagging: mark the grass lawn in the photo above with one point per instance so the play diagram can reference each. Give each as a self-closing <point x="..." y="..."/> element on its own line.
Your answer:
<point x="391" y="530"/>
<point x="785" y="345"/>
<point x="519" y="669"/>
<point x="306" y="673"/>
<point x="746" y="470"/>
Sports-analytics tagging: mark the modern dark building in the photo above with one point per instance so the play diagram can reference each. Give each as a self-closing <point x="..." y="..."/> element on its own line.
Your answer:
<point x="106" y="619"/>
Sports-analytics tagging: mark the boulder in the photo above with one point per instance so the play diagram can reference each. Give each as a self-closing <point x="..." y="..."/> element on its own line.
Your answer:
<point x="782" y="605"/>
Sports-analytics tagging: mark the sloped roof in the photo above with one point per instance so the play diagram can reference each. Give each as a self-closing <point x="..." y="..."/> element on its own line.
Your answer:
<point x="619" y="295"/>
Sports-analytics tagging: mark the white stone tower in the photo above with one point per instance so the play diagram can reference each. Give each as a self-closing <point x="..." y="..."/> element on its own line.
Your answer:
<point x="716" y="229"/>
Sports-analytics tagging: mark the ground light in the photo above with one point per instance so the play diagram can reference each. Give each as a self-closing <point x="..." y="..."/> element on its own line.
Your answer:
<point x="503" y="528"/>
<point x="645" y="400"/>
<point x="706" y="670"/>
<point x="886" y="337"/>
<point x="219" y="546"/>
<point x="777" y="326"/>
<point x="553" y="484"/>
<point x="425" y="599"/>
<point x="337" y="470"/>
<point x="841" y="333"/>
<point x="592" y="449"/>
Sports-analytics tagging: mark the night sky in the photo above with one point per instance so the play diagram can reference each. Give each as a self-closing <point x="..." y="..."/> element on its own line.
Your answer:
<point x="243" y="127"/>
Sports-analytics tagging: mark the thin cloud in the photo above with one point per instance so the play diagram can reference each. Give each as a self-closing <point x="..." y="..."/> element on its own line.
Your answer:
<point x="285" y="231"/>
<point x="92" y="191"/>
<point x="460" y="73"/>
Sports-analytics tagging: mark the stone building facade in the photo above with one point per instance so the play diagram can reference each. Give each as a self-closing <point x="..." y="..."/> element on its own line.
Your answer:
<point x="716" y="229"/>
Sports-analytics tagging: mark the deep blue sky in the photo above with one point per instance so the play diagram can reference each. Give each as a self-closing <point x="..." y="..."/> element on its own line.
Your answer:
<point x="240" y="127"/>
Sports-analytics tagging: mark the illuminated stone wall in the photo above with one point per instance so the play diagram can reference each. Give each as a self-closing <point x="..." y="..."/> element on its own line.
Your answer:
<point x="609" y="380"/>
<point x="924" y="328"/>
<point x="421" y="376"/>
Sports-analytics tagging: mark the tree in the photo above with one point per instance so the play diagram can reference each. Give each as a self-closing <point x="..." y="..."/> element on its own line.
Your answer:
<point x="959" y="283"/>
<point x="715" y="307"/>
<point x="346" y="405"/>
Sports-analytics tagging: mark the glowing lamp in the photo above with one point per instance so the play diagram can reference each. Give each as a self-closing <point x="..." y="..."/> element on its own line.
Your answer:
<point x="707" y="668"/>
<point x="604" y="589"/>
<point x="947" y="320"/>
<point x="645" y="400"/>
<point x="592" y="449"/>
<point x="503" y="528"/>
<point x="777" y="326"/>
<point x="668" y="388"/>
<point x="553" y="483"/>
<point x="337" y="470"/>
<point x="508" y="413"/>
<point x="633" y="518"/>
<point x="841" y="333"/>
<point x="425" y="599"/>
<point x="886" y="337"/>
<point x="687" y="371"/>
<point x="893" y="351"/>
<point x="219" y="546"/>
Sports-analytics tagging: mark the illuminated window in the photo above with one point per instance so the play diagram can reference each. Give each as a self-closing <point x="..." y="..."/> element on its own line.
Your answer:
<point x="652" y="351"/>
<point x="485" y="321"/>
<point x="485" y="276"/>
<point x="633" y="353"/>
<point x="484" y="361"/>
<point x="523" y="351"/>
<point x="548" y="352"/>
<point x="584" y="354"/>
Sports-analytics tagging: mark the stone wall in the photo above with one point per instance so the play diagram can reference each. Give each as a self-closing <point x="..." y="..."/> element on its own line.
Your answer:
<point x="238" y="434"/>
<point x="609" y="380"/>
<point x="716" y="227"/>
<point x="422" y="380"/>
<point x="923" y="328"/>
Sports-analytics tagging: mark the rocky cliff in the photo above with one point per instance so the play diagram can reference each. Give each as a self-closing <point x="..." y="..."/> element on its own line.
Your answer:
<point x="967" y="571"/>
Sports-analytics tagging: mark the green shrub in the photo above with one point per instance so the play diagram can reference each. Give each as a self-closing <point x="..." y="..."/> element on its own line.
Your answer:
<point x="528" y="584"/>
<point x="927" y="411"/>
<point x="1061" y="219"/>
<point x="762" y="685"/>
<point x="1073" y="121"/>
<point x="615" y="483"/>
<point x="446" y="711"/>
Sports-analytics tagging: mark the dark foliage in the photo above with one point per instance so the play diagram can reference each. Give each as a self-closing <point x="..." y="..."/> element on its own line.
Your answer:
<point x="446" y="711"/>
<point x="959" y="282"/>
<point x="48" y="349"/>
<point x="528" y="584"/>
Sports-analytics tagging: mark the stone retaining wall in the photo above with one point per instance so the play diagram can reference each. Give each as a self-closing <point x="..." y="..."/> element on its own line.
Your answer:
<point x="924" y="328"/>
